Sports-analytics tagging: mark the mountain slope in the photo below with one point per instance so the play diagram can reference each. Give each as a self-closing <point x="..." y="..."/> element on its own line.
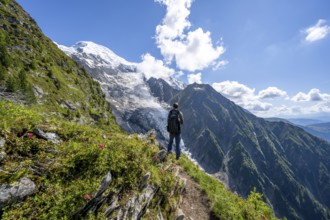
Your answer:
<point x="34" y="70"/>
<point x="161" y="89"/>
<point x="321" y="130"/>
<point x="290" y="166"/>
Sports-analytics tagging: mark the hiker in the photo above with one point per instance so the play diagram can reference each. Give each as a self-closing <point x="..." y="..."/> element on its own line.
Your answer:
<point x="174" y="123"/>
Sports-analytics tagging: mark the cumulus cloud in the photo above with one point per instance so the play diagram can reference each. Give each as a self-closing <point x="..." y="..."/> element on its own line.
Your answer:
<point x="242" y="95"/>
<point x="317" y="32"/>
<point x="272" y="92"/>
<point x="321" y="107"/>
<point x="254" y="101"/>
<point x="195" y="78"/>
<point x="152" y="67"/>
<point x="234" y="90"/>
<point x="312" y="95"/>
<point x="190" y="49"/>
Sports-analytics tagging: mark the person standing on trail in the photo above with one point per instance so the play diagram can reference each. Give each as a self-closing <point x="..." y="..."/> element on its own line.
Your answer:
<point x="174" y="123"/>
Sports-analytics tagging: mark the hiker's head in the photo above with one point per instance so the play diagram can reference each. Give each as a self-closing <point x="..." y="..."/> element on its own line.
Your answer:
<point x="176" y="105"/>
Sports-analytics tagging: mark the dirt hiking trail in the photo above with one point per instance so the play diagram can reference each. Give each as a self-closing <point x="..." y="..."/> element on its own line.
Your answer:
<point x="195" y="205"/>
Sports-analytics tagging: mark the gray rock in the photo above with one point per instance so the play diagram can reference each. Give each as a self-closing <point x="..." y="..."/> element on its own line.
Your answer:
<point x="149" y="136"/>
<point x="69" y="106"/>
<point x="2" y="143"/>
<point x="114" y="205"/>
<point x="16" y="191"/>
<point x="145" y="180"/>
<point x="137" y="205"/>
<point x="179" y="215"/>
<point x="160" y="215"/>
<point x="162" y="154"/>
<point x="47" y="136"/>
<point x="38" y="91"/>
<point x="104" y="184"/>
<point x="97" y="201"/>
<point x="3" y="156"/>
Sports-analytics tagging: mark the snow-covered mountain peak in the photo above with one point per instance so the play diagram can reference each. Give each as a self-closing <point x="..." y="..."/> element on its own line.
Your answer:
<point x="98" y="56"/>
<point x="95" y="55"/>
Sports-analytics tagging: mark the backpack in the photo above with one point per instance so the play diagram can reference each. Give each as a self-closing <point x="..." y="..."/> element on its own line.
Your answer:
<point x="173" y="125"/>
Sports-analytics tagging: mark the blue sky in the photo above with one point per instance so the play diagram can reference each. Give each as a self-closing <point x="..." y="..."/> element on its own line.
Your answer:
<point x="272" y="57"/>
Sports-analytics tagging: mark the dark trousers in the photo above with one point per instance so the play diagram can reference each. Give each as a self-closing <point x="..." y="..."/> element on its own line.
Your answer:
<point x="177" y="138"/>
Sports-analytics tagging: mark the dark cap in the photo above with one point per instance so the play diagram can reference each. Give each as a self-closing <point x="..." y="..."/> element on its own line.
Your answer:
<point x="176" y="105"/>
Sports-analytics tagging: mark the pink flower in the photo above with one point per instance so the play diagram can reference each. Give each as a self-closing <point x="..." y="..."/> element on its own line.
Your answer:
<point x="29" y="134"/>
<point x="87" y="197"/>
<point x="101" y="146"/>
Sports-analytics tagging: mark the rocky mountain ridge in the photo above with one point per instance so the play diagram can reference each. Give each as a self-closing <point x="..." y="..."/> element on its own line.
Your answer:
<point x="246" y="151"/>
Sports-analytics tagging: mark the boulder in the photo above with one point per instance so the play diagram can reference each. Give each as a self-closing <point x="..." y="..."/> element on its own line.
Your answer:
<point x="47" y="136"/>
<point x="38" y="92"/>
<point x="96" y="202"/>
<point x="16" y="191"/>
<point x="179" y="215"/>
<point x="3" y="156"/>
<point x="2" y="143"/>
<point x="145" y="180"/>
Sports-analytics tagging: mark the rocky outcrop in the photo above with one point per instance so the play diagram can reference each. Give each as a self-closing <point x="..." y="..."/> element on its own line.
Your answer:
<point x="3" y="154"/>
<point x="161" y="89"/>
<point x="94" y="203"/>
<point x="137" y="205"/>
<point x="16" y="191"/>
<point x="52" y="137"/>
<point x="2" y="143"/>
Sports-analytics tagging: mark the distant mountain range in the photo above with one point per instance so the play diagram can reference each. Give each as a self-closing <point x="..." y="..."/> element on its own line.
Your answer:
<point x="288" y="165"/>
<point x="321" y="130"/>
<point x="312" y="126"/>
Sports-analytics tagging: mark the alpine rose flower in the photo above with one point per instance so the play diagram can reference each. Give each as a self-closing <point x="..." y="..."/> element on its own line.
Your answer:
<point x="87" y="197"/>
<point x="101" y="145"/>
<point x="29" y="134"/>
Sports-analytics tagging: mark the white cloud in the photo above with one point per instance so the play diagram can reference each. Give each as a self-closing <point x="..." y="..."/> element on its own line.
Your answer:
<point x="242" y="95"/>
<point x="154" y="68"/>
<point x="195" y="78"/>
<point x="234" y="90"/>
<point x="321" y="107"/>
<point x="175" y="21"/>
<point x="179" y="74"/>
<point x="312" y="95"/>
<point x="282" y="106"/>
<point x="272" y="92"/>
<point x="220" y="64"/>
<point x="317" y="32"/>
<point x="191" y="50"/>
